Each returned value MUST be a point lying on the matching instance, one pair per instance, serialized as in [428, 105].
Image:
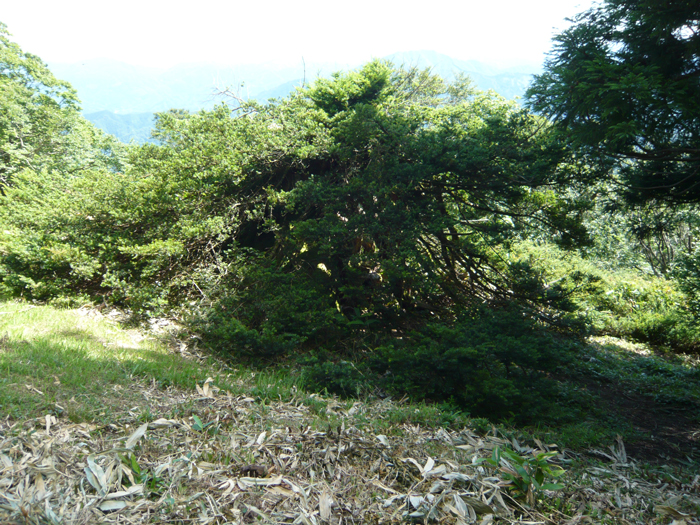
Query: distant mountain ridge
[122, 98]
[126, 127]
[108, 85]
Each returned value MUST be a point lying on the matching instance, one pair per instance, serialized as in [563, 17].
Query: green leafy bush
[489, 363]
[271, 313]
[624, 303]
[526, 476]
[342, 378]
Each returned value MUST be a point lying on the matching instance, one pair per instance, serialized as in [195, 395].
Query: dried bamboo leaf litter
[239, 460]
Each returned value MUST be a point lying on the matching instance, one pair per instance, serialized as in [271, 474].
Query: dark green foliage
[392, 216]
[624, 84]
[79, 242]
[360, 187]
[491, 363]
[272, 313]
[342, 378]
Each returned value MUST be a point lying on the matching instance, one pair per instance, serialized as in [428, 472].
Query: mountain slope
[131, 126]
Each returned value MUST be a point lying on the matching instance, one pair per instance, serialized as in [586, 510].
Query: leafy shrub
[526, 476]
[624, 303]
[341, 378]
[489, 363]
[647, 309]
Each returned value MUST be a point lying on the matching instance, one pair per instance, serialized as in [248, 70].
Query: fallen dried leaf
[138, 434]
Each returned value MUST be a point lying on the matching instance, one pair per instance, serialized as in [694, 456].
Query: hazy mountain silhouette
[122, 98]
[127, 127]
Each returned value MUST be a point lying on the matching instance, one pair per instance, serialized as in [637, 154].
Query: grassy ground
[102, 424]
[615, 387]
[79, 365]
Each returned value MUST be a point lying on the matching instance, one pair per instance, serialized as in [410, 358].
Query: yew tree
[384, 199]
[368, 214]
[371, 216]
[623, 82]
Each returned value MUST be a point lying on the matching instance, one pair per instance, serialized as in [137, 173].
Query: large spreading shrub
[346, 219]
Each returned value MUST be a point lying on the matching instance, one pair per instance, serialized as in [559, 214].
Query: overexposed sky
[165, 33]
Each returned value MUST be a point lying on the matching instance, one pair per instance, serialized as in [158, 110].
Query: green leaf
[135, 468]
[555, 472]
[552, 486]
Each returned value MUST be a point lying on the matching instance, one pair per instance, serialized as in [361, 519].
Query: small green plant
[198, 425]
[525, 476]
[154, 484]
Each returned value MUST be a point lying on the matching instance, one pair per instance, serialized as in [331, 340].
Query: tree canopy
[40, 122]
[390, 190]
[624, 82]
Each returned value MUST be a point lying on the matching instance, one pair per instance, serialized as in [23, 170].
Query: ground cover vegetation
[386, 229]
[161, 432]
[384, 233]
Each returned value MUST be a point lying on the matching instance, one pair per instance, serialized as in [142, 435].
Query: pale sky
[164, 33]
